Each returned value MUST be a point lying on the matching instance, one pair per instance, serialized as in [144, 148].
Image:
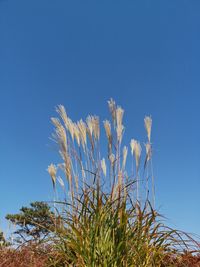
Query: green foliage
[103, 232]
[33, 223]
[3, 242]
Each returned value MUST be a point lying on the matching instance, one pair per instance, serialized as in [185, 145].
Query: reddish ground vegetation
[30, 256]
[24, 257]
[184, 260]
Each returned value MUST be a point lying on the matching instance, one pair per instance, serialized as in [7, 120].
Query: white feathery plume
[52, 172]
[71, 128]
[60, 135]
[119, 115]
[120, 177]
[82, 130]
[61, 111]
[120, 127]
[107, 127]
[148, 124]
[136, 151]
[133, 144]
[112, 159]
[103, 166]
[89, 124]
[112, 108]
[77, 134]
[125, 152]
[67, 163]
[96, 129]
[61, 182]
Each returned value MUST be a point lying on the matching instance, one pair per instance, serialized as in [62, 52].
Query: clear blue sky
[144, 54]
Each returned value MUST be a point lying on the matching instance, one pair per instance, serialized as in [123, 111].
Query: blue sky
[144, 54]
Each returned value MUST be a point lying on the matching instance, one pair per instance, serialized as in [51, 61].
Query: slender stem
[153, 185]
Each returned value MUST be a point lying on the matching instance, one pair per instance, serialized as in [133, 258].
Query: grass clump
[108, 213]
